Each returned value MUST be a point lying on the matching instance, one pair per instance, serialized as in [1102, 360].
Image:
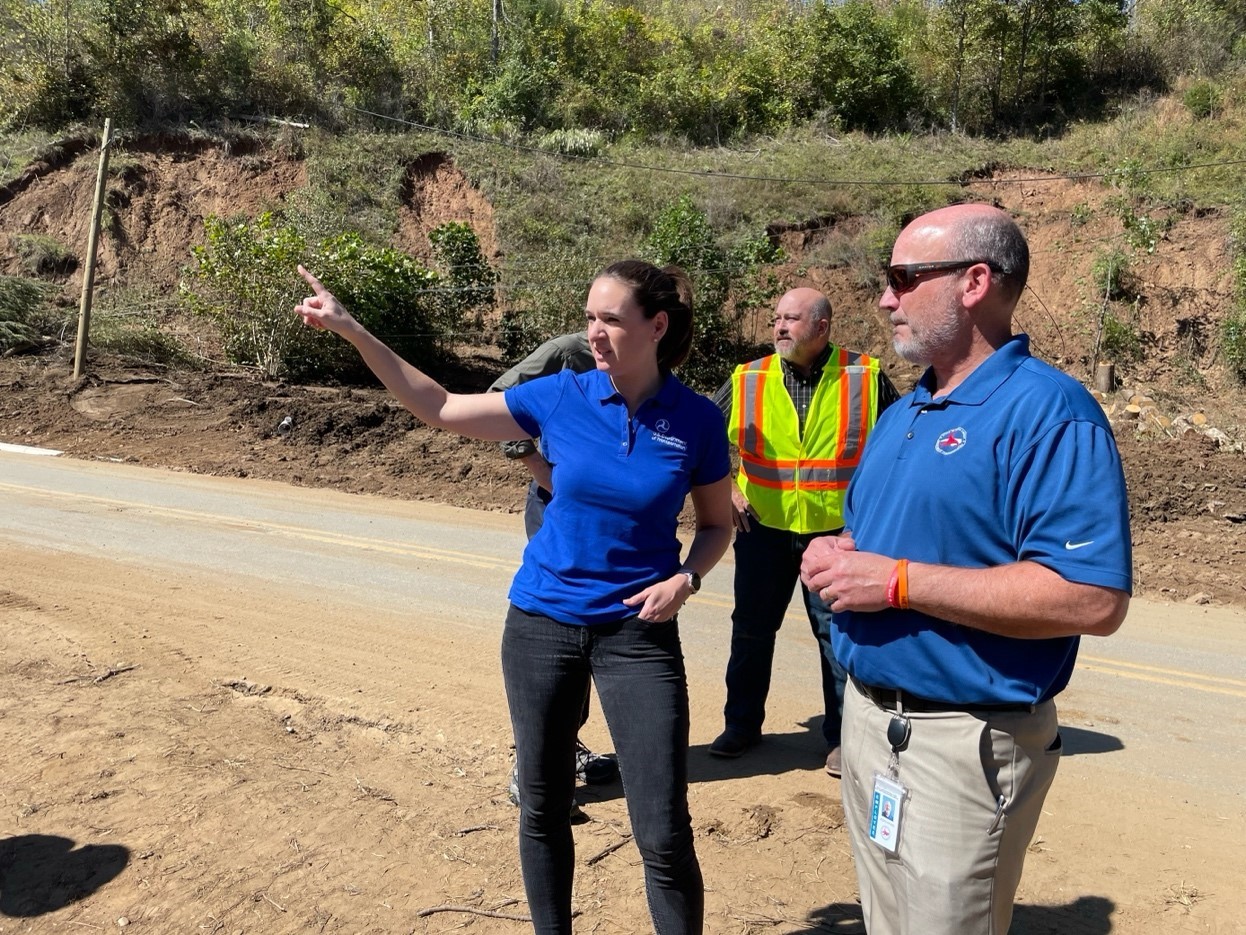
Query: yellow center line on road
[1219, 684]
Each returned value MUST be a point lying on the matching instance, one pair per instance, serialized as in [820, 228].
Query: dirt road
[233, 706]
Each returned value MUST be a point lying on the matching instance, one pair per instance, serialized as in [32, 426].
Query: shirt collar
[986, 378]
[666, 396]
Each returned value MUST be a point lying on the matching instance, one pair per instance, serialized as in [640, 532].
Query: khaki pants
[953, 873]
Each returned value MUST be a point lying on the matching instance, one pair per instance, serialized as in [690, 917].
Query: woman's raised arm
[476, 415]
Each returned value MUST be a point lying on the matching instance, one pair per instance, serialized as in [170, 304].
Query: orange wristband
[898, 586]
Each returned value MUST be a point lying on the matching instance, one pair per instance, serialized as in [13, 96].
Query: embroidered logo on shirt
[951, 441]
[1076, 545]
[660, 435]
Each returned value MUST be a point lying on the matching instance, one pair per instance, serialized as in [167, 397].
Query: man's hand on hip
[742, 515]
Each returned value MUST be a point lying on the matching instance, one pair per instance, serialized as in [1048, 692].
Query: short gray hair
[997, 238]
[820, 309]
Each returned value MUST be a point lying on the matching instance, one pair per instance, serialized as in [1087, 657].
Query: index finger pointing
[316, 285]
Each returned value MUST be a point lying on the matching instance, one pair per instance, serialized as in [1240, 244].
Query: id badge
[886, 808]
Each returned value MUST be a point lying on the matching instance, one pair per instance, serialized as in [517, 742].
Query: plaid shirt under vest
[801, 388]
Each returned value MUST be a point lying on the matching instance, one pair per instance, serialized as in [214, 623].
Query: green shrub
[1110, 271]
[682, 235]
[1120, 341]
[574, 142]
[1142, 232]
[726, 284]
[21, 301]
[244, 279]
[1202, 99]
[1237, 243]
[1130, 176]
[43, 256]
[1233, 341]
[469, 280]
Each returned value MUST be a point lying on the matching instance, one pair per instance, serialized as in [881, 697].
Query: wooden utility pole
[88, 278]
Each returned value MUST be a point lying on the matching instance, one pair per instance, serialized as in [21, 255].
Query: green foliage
[21, 303]
[42, 255]
[1233, 327]
[1202, 99]
[682, 235]
[1233, 343]
[1141, 231]
[1191, 36]
[1110, 272]
[859, 69]
[1080, 214]
[244, 279]
[726, 284]
[391, 295]
[1120, 341]
[468, 278]
[1237, 243]
[1130, 176]
[753, 286]
[573, 142]
[658, 69]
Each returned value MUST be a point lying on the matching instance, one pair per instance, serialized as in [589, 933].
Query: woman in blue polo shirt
[602, 581]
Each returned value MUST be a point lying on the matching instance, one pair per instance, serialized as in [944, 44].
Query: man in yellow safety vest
[799, 419]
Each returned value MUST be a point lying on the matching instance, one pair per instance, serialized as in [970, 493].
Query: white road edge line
[28, 450]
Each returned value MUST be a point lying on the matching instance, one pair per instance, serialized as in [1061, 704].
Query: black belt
[891, 699]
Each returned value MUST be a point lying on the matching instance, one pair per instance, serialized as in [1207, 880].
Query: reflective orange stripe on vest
[806, 473]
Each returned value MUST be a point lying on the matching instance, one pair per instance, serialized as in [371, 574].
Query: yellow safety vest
[797, 483]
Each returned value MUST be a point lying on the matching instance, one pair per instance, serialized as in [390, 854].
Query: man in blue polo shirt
[986, 530]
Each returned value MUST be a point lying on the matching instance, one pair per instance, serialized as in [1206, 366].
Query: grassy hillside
[834, 202]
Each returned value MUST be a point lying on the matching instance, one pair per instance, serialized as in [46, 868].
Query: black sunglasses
[905, 276]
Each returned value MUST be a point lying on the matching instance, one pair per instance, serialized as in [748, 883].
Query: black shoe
[594, 769]
[730, 744]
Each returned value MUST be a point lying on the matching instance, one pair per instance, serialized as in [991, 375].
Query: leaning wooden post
[88, 279]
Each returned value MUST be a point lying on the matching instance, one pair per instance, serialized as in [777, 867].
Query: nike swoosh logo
[1077, 545]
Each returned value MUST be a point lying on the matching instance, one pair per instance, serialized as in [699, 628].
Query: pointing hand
[322, 309]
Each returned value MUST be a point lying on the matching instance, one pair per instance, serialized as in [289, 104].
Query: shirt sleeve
[1072, 512]
[715, 463]
[549, 358]
[531, 403]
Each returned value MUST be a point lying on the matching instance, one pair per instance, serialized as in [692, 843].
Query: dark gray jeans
[642, 688]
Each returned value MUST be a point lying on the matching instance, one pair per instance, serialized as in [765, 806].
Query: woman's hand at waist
[660, 602]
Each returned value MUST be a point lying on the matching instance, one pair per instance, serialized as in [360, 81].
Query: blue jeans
[767, 569]
[642, 689]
